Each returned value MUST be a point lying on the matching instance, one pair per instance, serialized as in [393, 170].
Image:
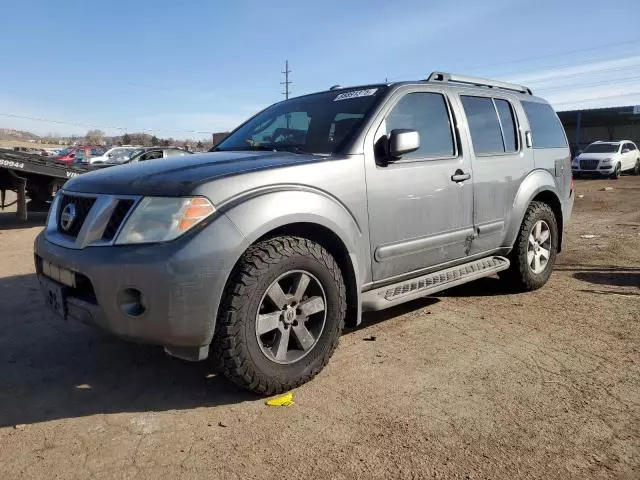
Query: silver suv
[313, 210]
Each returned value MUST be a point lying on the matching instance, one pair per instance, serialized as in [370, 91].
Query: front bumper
[602, 170]
[181, 284]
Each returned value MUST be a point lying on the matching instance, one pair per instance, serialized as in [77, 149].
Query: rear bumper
[180, 282]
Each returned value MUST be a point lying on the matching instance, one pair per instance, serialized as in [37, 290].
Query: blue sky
[203, 66]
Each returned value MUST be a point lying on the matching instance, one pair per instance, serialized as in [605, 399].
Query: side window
[174, 153]
[546, 129]
[632, 146]
[508, 123]
[151, 155]
[484, 126]
[428, 114]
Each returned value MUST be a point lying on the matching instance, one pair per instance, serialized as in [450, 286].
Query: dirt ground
[476, 383]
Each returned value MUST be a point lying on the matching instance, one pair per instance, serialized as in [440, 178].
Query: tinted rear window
[508, 123]
[546, 129]
[484, 126]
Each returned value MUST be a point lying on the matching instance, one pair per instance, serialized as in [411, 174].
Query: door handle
[460, 176]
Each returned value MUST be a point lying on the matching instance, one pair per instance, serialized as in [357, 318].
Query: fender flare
[538, 181]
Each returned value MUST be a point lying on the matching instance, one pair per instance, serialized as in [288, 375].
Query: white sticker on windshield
[356, 94]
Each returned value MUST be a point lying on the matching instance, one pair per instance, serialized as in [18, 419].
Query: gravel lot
[476, 383]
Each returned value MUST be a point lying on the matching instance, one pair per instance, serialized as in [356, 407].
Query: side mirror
[403, 141]
[626, 150]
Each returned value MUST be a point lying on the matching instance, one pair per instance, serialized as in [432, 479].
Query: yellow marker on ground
[281, 401]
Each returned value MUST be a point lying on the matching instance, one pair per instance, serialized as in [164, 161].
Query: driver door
[420, 205]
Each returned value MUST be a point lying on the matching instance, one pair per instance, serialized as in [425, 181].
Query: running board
[401, 292]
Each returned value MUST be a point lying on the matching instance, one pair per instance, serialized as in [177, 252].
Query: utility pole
[286, 82]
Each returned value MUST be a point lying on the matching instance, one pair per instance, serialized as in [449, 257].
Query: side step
[385, 297]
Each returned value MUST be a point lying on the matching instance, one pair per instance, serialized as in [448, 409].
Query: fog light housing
[132, 302]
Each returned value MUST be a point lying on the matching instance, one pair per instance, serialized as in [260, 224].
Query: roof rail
[479, 82]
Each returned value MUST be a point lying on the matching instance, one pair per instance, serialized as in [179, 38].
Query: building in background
[606, 124]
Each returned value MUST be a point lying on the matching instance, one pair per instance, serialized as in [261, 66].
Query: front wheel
[616, 172]
[281, 316]
[534, 252]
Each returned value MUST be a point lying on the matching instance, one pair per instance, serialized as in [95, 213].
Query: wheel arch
[537, 186]
[309, 215]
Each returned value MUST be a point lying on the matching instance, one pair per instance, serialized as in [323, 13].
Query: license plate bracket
[54, 297]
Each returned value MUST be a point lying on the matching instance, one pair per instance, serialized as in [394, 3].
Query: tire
[636, 168]
[616, 172]
[521, 275]
[244, 356]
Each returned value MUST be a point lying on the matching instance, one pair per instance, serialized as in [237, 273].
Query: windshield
[602, 148]
[318, 123]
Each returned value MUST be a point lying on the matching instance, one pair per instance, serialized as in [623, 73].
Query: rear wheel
[534, 252]
[636, 168]
[281, 317]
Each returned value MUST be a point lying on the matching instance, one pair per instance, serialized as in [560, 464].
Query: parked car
[76, 155]
[144, 154]
[315, 209]
[113, 155]
[608, 159]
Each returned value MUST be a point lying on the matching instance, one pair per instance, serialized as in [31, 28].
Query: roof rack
[479, 82]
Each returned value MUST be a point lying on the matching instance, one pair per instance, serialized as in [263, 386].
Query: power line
[564, 65]
[595, 99]
[550, 55]
[286, 82]
[582, 74]
[595, 84]
[89, 125]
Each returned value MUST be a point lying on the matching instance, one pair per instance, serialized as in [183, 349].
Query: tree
[126, 139]
[166, 143]
[155, 141]
[199, 146]
[95, 137]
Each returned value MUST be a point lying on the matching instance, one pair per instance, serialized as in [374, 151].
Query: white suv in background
[114, 155]
[607, 159]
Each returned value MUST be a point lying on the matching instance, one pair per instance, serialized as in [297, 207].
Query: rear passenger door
[500, 163]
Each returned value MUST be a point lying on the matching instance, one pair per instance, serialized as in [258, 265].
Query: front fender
[536, 182]
[260, 212]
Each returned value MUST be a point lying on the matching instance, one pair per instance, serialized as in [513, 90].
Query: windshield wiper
[267, 148]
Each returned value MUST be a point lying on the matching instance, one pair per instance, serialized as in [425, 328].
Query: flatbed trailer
[33, 176]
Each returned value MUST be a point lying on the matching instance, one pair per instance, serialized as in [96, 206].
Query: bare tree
[94, 137]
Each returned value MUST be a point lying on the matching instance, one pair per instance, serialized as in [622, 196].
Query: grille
[589, 164]
[82, 205]
[118, 215]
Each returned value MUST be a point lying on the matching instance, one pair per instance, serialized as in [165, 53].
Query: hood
[178, 176]
[595, 156]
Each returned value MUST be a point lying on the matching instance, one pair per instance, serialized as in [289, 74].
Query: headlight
[160, 219]
[605, 160]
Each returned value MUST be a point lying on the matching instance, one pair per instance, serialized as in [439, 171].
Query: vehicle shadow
[483, 287]
[10, 221]
[52, 369]
[369, 319]
[613, 278]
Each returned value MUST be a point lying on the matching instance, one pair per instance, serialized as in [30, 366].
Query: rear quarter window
[546, 129]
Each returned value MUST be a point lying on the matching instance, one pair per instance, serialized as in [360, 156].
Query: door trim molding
[416, 245]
